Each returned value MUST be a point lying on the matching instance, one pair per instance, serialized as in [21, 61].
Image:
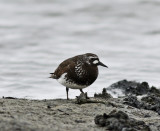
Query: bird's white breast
[67, 83]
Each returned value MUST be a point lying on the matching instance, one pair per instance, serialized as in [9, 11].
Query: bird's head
[93, 59]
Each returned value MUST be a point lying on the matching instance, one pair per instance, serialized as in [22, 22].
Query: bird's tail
[53, 76]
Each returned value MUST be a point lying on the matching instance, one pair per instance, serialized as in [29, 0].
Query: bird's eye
[92, 58]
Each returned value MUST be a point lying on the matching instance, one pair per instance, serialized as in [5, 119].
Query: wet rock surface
[134, 88]
[150, 99]
[120, 121]
[149, 102]
[132, 101]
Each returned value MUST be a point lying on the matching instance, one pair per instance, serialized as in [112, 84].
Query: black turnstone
[78, 72]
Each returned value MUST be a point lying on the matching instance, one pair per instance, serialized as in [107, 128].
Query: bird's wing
[64, 67]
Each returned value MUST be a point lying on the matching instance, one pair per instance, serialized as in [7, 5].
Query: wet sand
[62, 115]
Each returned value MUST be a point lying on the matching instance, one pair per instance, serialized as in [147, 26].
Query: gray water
[36, 35]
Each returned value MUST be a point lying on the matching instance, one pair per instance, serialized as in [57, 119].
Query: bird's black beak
[100, 63]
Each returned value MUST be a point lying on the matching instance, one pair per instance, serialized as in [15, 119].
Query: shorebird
[78, 72]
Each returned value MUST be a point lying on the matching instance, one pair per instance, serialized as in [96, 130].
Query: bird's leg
[67, 90]
[81, 91]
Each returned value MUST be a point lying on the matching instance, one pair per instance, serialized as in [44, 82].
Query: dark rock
[104, 94]
[100, 120]
[155, 91]
[131, 87]
[151, 99]
[132, 101]
[147, 115]
[153, 102]
[149, 102]
[120, 121]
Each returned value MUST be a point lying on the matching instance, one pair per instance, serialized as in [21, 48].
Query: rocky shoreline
[101, 113]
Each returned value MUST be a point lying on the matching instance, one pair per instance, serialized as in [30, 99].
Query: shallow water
[37, 35]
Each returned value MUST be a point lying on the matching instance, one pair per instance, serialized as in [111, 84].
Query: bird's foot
[82, 98]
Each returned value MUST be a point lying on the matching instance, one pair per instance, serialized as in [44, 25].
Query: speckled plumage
[78, 72]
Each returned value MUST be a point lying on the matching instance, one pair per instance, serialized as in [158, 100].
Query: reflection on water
[37, 35]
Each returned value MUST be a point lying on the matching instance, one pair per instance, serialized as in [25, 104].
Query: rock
[149, 102]
[154, 90]
[153, 102]
[132, 101]
[130, 87]
[120, 121]
[104, 94]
